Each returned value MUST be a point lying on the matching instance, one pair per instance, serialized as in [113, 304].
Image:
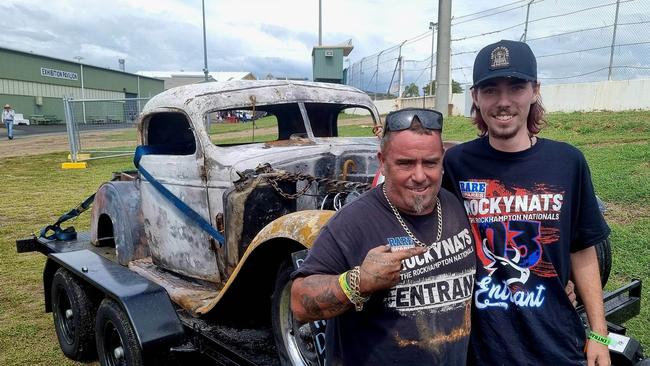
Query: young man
[8, 120]
[535, 219]
[407, 302]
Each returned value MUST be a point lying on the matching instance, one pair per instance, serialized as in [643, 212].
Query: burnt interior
[171, 130]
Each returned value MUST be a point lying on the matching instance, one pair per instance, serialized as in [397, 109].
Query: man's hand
[597, 354]
[381, 267]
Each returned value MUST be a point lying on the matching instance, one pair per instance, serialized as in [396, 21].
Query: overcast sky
[259, 36]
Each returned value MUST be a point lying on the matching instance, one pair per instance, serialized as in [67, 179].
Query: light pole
[83, 93]
[443, 55]
[320, 22]
[432, 26]
[205, 49]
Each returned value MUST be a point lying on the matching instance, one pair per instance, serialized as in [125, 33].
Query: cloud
[277, 37]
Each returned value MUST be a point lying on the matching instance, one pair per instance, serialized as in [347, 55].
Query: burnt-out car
[210, 227]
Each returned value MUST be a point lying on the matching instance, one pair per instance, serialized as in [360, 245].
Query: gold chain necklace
[408, 231]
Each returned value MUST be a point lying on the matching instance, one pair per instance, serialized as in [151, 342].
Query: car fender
[117, 214]
[261, 260]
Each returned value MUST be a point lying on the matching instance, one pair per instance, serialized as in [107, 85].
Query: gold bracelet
[356, 299]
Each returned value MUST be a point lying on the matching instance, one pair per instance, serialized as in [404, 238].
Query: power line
[497, 13]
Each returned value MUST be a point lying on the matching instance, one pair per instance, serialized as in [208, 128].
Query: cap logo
[500, 58]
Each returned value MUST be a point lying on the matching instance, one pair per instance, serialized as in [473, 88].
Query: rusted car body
[268, 199]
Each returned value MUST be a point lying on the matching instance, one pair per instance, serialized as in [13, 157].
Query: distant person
[535, 220]
[8, 120]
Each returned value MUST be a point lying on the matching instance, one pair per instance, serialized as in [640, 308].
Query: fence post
[377, 75]
[523, 38]
[611, 53]
[401, 79]
[70, 126]
[361, 74]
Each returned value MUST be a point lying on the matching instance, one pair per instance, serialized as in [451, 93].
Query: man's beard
[503, 135]
[421, 203]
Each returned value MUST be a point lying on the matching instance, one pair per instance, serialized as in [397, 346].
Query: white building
[178, 78]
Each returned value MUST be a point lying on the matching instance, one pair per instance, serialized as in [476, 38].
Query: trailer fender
[146, 304]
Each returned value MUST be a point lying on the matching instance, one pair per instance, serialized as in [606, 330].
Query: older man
[8, 120]
[535, 219]
[395, 268]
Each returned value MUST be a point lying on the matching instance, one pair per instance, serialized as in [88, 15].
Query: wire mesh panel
[102, 127]
[574, 40]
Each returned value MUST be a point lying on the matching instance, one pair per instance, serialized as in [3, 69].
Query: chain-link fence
[574, 41]
[100, 128]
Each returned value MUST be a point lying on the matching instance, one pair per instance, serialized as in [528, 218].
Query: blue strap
[68, 233]
[140, 151]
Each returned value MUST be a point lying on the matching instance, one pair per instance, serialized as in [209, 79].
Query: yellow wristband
[343, 282]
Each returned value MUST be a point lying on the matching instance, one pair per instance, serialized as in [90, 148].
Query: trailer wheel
[73, 312]
[604, 254]
[293, 341]
[116, 340]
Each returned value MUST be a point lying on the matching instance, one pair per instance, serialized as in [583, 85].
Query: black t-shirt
[528, 211]
[425, 318]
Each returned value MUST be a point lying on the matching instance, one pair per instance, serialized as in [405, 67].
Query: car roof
[209, 96]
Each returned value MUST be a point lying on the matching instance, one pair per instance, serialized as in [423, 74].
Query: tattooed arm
[319, 296]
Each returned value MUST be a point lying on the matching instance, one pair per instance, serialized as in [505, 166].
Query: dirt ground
[37, 144]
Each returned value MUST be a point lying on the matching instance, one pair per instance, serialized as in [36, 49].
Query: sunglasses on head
[403, 119]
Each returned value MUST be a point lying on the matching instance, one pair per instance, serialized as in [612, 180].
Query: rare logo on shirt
[469, 189]
[400, 243]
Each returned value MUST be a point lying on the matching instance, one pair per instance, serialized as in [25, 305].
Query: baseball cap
[505, 59]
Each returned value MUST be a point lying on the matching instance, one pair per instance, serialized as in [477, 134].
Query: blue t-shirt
[425, 318]
[529, 211]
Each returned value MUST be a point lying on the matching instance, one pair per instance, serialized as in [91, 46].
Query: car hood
[283, 153]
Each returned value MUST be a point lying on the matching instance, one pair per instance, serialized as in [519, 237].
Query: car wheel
[73, 312]
[293, 341]
[604, 254]
[116, 340]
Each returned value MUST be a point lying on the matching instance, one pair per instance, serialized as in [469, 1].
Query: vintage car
[211, 226]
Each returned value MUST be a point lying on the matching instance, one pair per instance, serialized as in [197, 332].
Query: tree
[410, 91]
[425, 89]
[455, 88]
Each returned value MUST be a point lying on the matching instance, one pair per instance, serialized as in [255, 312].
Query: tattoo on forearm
[330, 302]
[311, 306]
[325, 301]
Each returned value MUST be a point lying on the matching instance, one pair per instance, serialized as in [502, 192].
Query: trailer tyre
[73, 311]
[116, 340]
[293, 346]
[604, 254]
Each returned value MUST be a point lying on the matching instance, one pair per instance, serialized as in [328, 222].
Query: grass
[35, 192]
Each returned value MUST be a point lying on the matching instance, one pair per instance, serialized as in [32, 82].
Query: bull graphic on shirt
[510, 249]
